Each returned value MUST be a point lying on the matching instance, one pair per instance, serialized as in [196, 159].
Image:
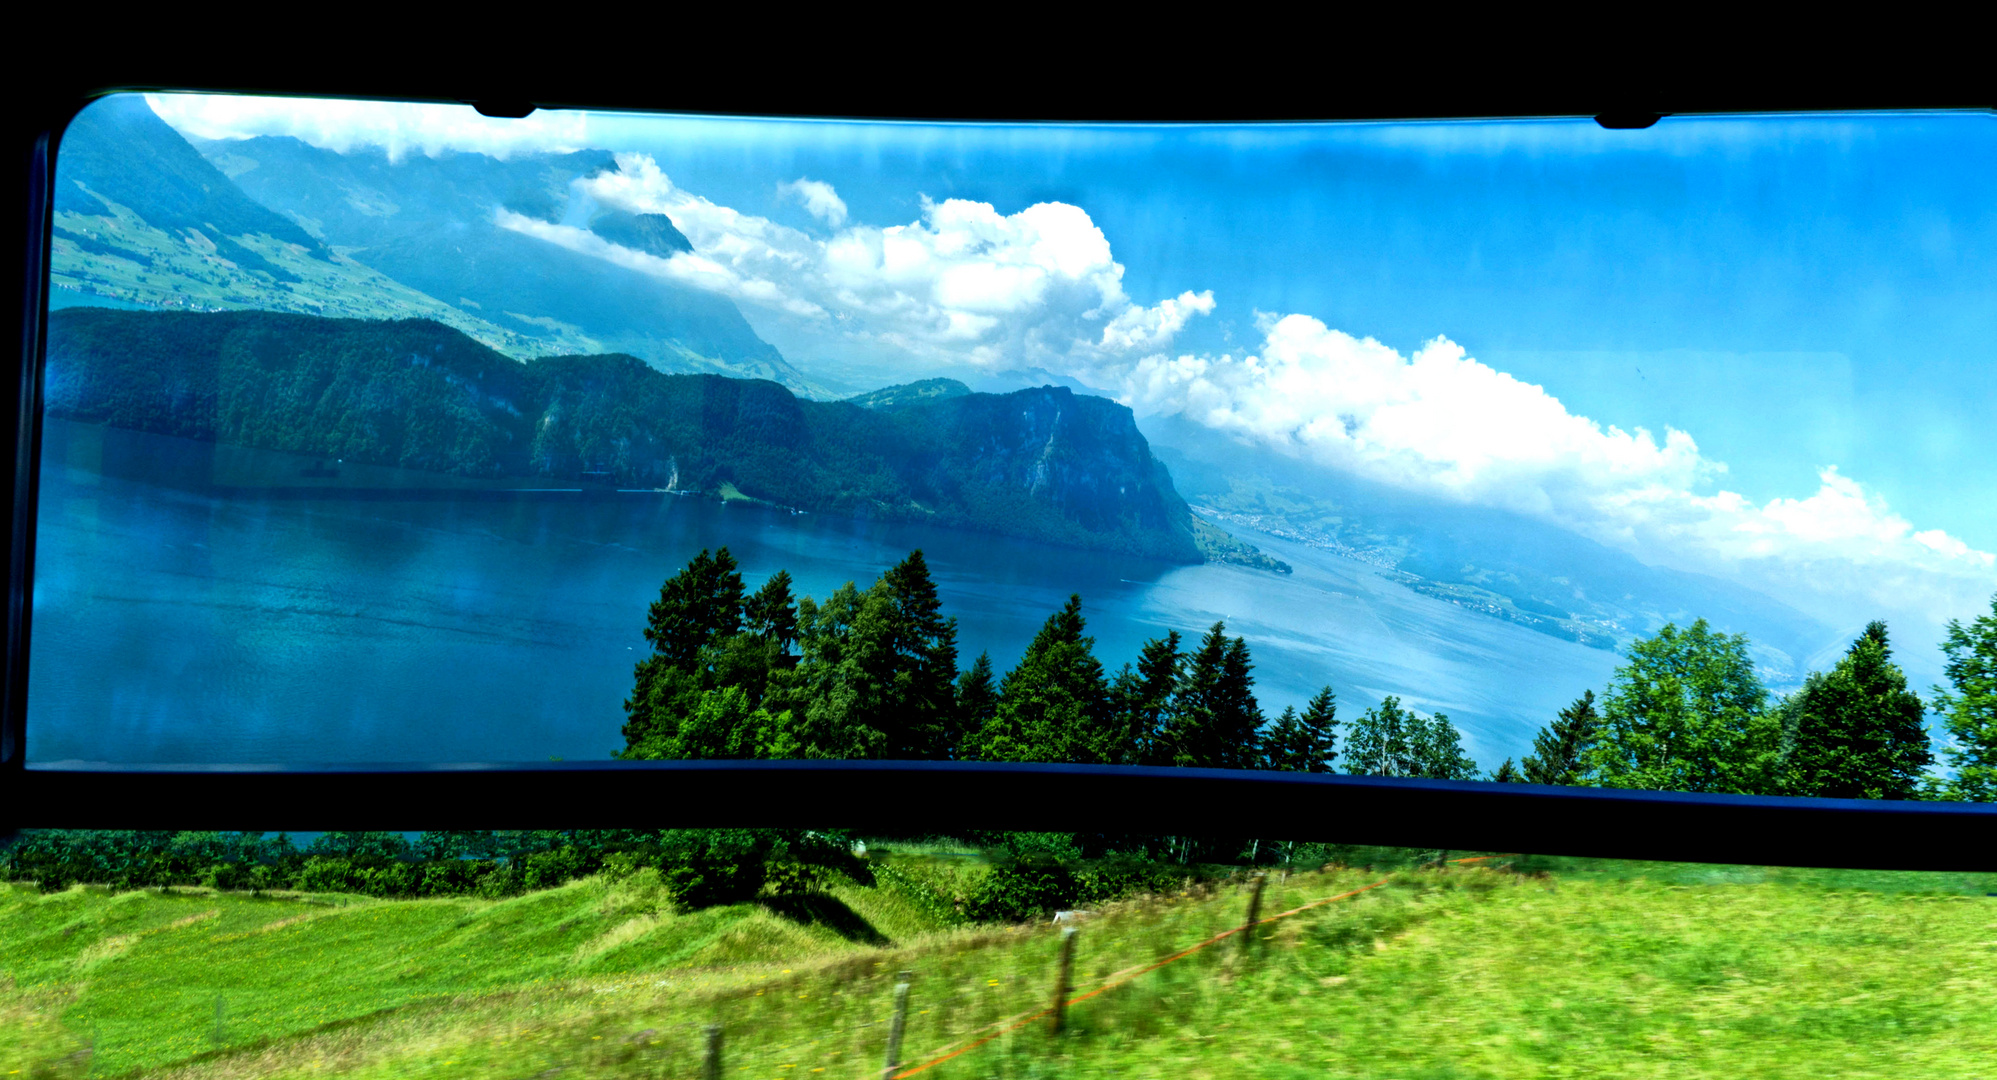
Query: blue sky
[1762, 347]
[1795, 293]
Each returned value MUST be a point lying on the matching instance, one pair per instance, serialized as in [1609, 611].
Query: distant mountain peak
[653, 234]
[905, 394]
[118, 149]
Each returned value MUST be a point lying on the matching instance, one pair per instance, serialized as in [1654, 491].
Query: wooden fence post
[895, 1026]
[1254, 913]
[1063, 980]
[710, 1067]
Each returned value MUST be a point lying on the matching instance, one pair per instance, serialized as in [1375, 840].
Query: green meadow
[1517, 967]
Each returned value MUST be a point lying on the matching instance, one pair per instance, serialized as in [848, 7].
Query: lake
[204, 604]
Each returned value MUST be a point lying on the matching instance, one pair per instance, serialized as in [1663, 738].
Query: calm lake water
[196, 603]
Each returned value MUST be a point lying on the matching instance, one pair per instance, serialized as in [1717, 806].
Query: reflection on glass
[1518, 451]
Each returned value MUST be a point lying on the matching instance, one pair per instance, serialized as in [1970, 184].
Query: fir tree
[771, 613]
[1054, 705]
[696, 606]
[831, 698]
[1558, 750]
[1969, 706]
[1306, 741]
[1279, 743]
[1141, 700]
[920, 664]
[977, 702]
[1214, 722]
[1855, 732]
[1507, 774]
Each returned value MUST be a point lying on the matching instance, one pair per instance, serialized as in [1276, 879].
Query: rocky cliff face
[1080, 456]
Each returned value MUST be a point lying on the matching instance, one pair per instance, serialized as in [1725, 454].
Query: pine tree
[1969, 706]
[696, 606]
[1141, 700]
[1306, 741]
[1686, 712]
[771, 614]
[1855, 732]
[1054, 706]
[977, 702]
[1558, 750]
[1507, 774]
[1215, 720]
[920, 658]
[1280, 744]
[833, 696]
[1320, 725]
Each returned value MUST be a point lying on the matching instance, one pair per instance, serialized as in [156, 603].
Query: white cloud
[963, 285]
[397, 127]
[968, 285]
[819, 200]
[1438, 420]
[1442, 422]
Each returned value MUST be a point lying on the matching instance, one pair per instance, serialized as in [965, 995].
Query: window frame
[944, 796]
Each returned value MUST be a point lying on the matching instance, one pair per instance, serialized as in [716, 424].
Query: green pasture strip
[1677, 873]
[1581, 970]
[1470, 972]
[143, 971]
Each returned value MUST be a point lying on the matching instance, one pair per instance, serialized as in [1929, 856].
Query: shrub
[1119, 878]
[551, 868]
[1020, 891]
[324, 874]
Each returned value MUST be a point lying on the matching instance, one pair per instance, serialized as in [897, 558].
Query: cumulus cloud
[818, 198]
[965, 284]
[399, 128]
[1442, 422]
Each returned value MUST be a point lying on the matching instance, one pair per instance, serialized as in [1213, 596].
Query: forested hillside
[1044, 463]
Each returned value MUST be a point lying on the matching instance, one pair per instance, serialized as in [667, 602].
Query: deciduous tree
[1686, 712]
[1969, 706]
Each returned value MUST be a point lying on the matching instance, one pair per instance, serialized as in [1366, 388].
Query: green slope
[1636, 971]
[141, 972]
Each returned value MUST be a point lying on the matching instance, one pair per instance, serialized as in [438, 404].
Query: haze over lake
[368, 625]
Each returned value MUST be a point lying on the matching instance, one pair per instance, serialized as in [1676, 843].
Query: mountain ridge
[1044, 464]
[145, 215]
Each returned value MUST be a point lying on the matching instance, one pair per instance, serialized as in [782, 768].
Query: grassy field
[1571, 968]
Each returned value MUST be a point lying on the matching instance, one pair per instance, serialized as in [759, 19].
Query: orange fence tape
[1015, 1023]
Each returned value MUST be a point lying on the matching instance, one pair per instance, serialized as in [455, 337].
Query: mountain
[433, 224]
[144, 217]
[1045, 463]
[897, 397]
[119, 151]
[1499, 564]
[653, 234]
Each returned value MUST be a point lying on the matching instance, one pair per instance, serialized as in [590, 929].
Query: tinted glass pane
[393, 433]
